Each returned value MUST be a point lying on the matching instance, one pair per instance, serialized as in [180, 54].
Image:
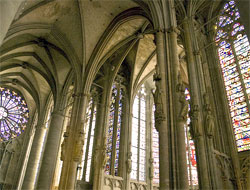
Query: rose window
[14, 114]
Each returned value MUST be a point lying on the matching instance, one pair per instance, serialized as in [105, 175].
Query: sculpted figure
[79, 147]
[184, 107]
[63, 145]
[129, 162]
[209, 123]
[159, 113]
[104, 154]
[195, 127]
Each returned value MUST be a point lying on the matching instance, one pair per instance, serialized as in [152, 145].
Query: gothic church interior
[124, 94]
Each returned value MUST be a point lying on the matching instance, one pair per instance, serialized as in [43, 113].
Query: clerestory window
[234, 56]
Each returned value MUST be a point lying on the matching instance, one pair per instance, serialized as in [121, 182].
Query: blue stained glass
[112, 130]
[14, 114]
[234, 85]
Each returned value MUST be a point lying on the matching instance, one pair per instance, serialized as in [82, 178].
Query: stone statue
[129, 163]
[184, 107]
[159, 112]
[209, 122]
[79, 147]
[63, 145]
[104, 154]
[195, 127]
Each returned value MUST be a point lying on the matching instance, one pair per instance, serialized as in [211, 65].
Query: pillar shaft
[195, 110]
[50, 153]
[74, 145]
[34, 158]
[180, 110]
[160, 112]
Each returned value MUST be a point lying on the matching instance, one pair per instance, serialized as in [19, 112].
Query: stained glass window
[138, 144]
[155, 150]
[14, 114]
[190, 153]
[90, 122]
[114, 130]
[234, 56]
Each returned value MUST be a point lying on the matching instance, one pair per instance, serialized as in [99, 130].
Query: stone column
[50, 153]
[160, 111]
[180, 109]
[100, 148]
[34, 158]
[196, 126]
[74, 147]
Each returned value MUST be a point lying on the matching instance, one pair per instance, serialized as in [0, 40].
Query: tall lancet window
[114, 130]
[234, 55]
[138, 144]
[190, 153]
[90, 122]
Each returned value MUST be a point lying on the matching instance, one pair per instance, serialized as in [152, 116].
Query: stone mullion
[88, 141]
[95, 102]
[150, 166]
[139, 136]
[189, 161]
[123, 137]
[196, 125]
[114, 140]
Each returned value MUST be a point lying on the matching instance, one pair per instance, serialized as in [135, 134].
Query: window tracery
[14, 114]
[234, 56]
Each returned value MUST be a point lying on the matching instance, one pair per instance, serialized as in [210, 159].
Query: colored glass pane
[14, 114]
[114, 130]
[234, 55]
